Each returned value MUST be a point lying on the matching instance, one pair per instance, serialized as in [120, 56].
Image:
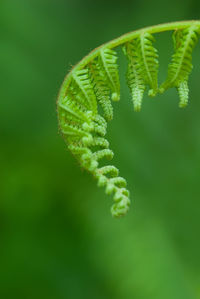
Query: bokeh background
[57, 237]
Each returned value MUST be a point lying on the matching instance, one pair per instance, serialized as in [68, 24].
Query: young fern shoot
[94, 83]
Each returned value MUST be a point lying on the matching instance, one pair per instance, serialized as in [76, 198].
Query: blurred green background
[57, 237]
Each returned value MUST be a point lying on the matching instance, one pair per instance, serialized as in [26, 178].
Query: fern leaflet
[109, 69]
[181, 65]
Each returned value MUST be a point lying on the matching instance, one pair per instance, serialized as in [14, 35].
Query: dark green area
[57, 237]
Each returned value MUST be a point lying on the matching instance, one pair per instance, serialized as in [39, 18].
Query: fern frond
[101, 89]
[73, 110]
[134, 76]
[181, 65]
[148, 58]
[83, 85]
[107, 61]
[95, 81]
[142, 67]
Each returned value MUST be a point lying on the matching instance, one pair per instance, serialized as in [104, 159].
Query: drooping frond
[95, 81]
[142, 67]
[101, 89]
[148, 57]
[181, 65]
[134, 76]
[107, 61]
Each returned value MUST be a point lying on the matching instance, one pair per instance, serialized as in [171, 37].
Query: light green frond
[144, 58]
[70, 130]
[82, 85]
[134, 75]
[101, 89]
[73, 110]
[107, 61]
[142, 67]
[95, 81]
[148, 57]
[181, 65]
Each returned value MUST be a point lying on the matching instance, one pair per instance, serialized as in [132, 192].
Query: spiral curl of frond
[84, 130]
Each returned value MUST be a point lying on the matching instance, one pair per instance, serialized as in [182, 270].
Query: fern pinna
[94, 83]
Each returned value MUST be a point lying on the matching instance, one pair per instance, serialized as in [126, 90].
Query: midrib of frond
[187, 43]
[142, 41]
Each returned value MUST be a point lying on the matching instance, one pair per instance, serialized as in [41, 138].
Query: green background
[57, 237]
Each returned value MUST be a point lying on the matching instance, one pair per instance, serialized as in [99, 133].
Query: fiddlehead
[94, 83]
